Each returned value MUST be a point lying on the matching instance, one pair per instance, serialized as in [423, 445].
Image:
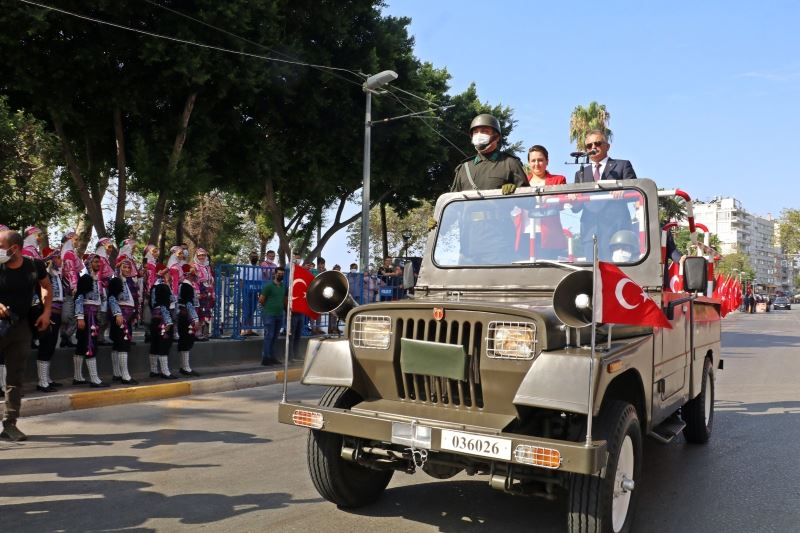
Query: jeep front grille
[437, 390]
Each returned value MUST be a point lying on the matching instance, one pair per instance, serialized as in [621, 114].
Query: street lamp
[406, 235]
[370, 85]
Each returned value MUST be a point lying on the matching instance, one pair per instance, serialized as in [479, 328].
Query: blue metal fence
[237, 288]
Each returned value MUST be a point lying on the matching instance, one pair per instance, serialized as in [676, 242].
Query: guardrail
[237, 288]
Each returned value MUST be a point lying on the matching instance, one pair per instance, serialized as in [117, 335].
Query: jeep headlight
[371, 331]
[511, 340]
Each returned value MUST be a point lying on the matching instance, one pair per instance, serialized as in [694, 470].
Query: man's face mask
[353, 270]
[5, 255]
[481, 140]
[621, 255]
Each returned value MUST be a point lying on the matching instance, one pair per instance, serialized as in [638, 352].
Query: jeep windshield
[525, 229]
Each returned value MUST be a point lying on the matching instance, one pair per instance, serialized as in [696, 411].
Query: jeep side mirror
[695, 274]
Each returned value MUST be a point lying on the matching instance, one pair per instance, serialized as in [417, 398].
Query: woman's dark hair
[539, 148]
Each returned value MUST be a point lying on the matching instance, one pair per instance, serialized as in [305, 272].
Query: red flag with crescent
[302, 277]
[622, 301]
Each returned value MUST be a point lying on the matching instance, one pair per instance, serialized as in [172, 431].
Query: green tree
[732, 264]
[29, 177]
[682, 240]
[413, 223]
[585, 119]
[789, 230]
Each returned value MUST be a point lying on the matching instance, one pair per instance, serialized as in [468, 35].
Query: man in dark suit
[607, 217]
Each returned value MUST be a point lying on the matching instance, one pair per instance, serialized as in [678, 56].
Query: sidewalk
[223, 365]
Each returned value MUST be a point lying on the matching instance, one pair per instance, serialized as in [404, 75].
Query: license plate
[476, 444]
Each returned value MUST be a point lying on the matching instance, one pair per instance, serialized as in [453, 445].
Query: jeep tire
[698, 413]
[604, 502]
[342, 482]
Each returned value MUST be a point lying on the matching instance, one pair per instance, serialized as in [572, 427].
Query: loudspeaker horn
[572, 299]
[329, 292]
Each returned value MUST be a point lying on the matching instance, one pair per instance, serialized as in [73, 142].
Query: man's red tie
[596, 174]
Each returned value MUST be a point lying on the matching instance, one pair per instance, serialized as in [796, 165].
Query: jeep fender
[328, 362]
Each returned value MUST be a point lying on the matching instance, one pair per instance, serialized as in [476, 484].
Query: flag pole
[288, 326]
[590, 402]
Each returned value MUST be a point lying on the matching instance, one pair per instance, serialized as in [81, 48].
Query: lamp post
[406, 235]
[370, 85]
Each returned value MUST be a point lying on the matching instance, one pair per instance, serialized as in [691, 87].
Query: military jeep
[494, 367]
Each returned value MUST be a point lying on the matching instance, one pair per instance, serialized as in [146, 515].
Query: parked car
[781, 302]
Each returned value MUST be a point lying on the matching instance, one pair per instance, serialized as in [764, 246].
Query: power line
[183, 41]
[361, 77]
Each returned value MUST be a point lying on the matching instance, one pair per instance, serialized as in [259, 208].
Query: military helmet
[485, 119]
[625, 237]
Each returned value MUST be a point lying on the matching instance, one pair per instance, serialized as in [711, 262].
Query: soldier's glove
[432, 224]
[509, 188]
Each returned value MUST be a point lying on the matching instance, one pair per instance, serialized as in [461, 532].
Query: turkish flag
[622, 301]
[300, 281]
[675, 278]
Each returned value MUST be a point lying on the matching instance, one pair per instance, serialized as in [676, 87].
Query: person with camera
[20, 278]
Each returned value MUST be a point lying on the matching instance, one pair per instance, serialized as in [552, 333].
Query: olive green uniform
[490, 172]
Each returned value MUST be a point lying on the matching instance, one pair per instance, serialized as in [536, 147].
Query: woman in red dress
[550, 242]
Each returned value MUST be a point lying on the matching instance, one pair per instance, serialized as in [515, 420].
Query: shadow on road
[75, 467]
[467, 505]
[758, 340]
[79, 506]
[151, 439]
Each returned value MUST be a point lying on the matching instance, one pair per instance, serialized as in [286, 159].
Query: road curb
[59, 403]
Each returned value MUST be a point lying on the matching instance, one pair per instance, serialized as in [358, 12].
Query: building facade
[751, 235]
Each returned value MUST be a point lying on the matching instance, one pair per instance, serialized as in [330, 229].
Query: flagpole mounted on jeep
[590, 412]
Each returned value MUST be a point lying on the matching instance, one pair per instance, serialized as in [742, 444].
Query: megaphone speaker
[572, 299]
[329, 292]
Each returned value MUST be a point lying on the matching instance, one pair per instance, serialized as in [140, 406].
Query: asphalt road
[222, 462]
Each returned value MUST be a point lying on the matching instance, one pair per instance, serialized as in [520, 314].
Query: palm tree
[585, 119]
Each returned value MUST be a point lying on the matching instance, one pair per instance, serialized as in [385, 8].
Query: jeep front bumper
[377, 426]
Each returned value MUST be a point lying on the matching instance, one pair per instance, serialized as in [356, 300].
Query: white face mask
[4, 256]
[621, 255]
[481, 140]
[353, 270]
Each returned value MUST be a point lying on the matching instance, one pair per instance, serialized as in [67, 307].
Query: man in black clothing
[20, 277]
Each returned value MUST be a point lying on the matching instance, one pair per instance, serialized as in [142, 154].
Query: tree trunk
[179, 227]
[122, 178]
[172, 165]
[94, 213]
[384, 232]
[84, 231]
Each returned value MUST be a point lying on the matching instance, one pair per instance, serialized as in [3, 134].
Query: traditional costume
[71, 267]
[89, 298]
[123, 303]
[188, 321]
[49, 337]
[206, 296]
[162, 302]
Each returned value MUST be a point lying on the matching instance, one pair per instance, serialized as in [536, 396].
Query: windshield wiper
[548, 262]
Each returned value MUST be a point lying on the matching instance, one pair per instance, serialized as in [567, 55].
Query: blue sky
[703, 95]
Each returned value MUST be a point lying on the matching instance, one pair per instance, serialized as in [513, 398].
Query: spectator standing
[356, 283]
[20, 278]
[273, 301]
[392, 277]
[251, 281]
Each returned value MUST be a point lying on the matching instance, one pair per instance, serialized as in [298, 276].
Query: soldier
[188, 321]
[489, 168]
[205, 281]
[49, 337]
[162, 302]
[89, 298]
[71, 268]
[123, 303]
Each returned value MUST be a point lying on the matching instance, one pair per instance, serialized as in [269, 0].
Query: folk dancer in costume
[188, 321]
[105, 251]
[162, 302]
[206, 297]
[71, 267]
[89, 298]
[33, 239]
[49, 337]
[123, 303]
[175, 266]
[148, 277]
